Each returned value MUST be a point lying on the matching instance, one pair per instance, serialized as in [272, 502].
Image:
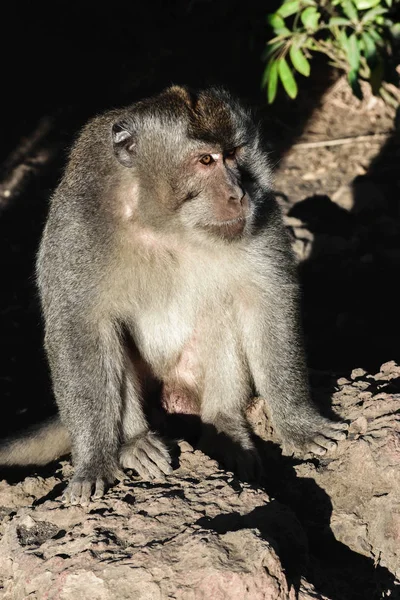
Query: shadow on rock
[297, 522]
[333, 568]
[350, 310]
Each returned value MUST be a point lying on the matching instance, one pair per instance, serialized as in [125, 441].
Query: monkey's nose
[237, 196]
[244, 201]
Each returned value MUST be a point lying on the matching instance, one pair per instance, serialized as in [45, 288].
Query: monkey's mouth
[229, 229]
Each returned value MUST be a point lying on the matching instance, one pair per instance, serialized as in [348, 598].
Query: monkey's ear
[123, 143]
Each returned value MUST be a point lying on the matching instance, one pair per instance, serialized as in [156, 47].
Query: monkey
[165, 257]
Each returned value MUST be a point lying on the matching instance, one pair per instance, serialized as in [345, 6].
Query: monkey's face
[214, 197]
[188, 159]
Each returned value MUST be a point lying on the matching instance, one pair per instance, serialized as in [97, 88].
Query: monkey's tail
[38, 445]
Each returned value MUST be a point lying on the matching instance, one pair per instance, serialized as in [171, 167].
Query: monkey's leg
[226, 435]
[274, 346]
[142, 450]
[86, 365]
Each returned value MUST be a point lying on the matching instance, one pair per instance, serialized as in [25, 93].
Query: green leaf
[375, 35]
[355, 84]
[353, 52]
[265, 76]
[310, 17]
[374, 12]
[343, 41]
[389, 3]
[299, 61]
[271, 48]
[350, 10]
[276, 22]
[286, 76]
[338, 21]
[288, 8]
[272, 81]
[365, 4]
[369, 47]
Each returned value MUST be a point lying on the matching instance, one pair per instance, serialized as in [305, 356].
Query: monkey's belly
[179, 386]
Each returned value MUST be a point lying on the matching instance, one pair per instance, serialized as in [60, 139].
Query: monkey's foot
[82, 490]
[316, 434]
[147, 455]
[238, 456]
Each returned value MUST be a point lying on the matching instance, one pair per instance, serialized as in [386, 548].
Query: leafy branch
[357, 36]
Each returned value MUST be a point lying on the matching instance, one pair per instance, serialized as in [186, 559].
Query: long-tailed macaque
[165, 256]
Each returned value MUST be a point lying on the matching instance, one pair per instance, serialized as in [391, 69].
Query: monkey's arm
[86, 367]
[274, 346]
[100, 406]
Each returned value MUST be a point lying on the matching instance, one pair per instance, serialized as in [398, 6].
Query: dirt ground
[305, 171]
[342, 203]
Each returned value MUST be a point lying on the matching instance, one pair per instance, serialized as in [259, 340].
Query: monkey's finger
[164, 465]
[156, 464]
[158, 459]
[325, 442]
[86, 492]
[159, 444]
[146, 468]
[316, 449]
[130, 460]
[336, 435]
[75, 490]
[65, 496]
[99, 489]
[339, 425]
[140, 463]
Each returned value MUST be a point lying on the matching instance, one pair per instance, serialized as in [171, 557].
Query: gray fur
[191, 263]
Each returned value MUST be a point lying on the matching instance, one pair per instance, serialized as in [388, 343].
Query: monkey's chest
[162, 331]
[175, 317]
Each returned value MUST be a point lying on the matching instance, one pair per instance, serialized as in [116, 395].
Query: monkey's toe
[320, 445]
[317, 436]
[147, 455]
[82, 491]
[326, 437]
[330, 433]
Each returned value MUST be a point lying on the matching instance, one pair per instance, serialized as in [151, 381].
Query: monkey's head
[191, 162]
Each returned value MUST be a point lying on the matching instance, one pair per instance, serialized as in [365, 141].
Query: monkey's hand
[147, 455]
[311, 433]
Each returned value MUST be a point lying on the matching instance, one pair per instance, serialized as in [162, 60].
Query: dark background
[86, 59]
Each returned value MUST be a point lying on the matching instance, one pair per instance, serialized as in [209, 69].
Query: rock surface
[201, 533]
[363, 478]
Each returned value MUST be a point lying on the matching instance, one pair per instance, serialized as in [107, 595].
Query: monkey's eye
[207, 159]
[231, 153]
